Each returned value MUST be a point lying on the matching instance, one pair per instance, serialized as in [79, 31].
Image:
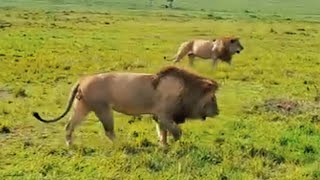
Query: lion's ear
[233, 40]
[210, 86]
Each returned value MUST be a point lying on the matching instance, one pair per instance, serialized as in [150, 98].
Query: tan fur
[222, 48]
[171, 95]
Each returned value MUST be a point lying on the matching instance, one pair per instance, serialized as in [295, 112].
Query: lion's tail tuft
[70, 102]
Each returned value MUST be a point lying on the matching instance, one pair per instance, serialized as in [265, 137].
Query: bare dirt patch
[281, 105]
[4, 94]
[4, 24]
[284, 106]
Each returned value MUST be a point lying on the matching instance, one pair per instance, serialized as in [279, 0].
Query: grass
[269, 123]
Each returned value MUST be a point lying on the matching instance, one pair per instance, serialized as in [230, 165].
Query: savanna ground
[269, 123]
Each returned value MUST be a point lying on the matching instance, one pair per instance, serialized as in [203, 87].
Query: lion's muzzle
[241, 49]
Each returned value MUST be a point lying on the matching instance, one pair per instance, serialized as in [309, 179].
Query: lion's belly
[132, 103]
[132, 95]
[203, 49]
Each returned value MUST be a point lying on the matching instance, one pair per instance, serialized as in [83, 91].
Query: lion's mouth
[204, 118]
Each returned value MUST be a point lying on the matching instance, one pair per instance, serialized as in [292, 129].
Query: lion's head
[206, 103]
[234, 45]
[228, 46]
[197, 99]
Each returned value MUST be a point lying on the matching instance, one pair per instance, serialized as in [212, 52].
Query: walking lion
[171, 95]
[222, 48]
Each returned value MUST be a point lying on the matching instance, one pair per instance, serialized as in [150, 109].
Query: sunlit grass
[43, 54]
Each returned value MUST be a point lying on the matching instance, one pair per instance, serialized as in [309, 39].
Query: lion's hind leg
[106, 117]
[80, 111]
[177, 59]
[183, 50]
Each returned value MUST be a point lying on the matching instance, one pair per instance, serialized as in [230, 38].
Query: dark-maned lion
[171, 96]
[222, 48]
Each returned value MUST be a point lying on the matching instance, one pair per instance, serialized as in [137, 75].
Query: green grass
[275, 9]
[46, 49]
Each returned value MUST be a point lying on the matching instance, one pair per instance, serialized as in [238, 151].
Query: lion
[222, 48]
[170, 96]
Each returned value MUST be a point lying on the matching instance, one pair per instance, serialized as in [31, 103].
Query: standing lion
[171, 95]
[222, 48]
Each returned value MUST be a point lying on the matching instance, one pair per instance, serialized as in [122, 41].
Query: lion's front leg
[214, 55]
[171, 127]
[214, 62]
[162, 134]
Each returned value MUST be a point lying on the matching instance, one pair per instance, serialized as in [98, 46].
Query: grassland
[269, 127]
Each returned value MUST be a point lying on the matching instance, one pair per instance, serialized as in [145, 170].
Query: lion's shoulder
[190, 80]
[194, 88]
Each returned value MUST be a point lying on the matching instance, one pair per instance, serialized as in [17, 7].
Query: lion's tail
[70, 101]
[183, 50]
